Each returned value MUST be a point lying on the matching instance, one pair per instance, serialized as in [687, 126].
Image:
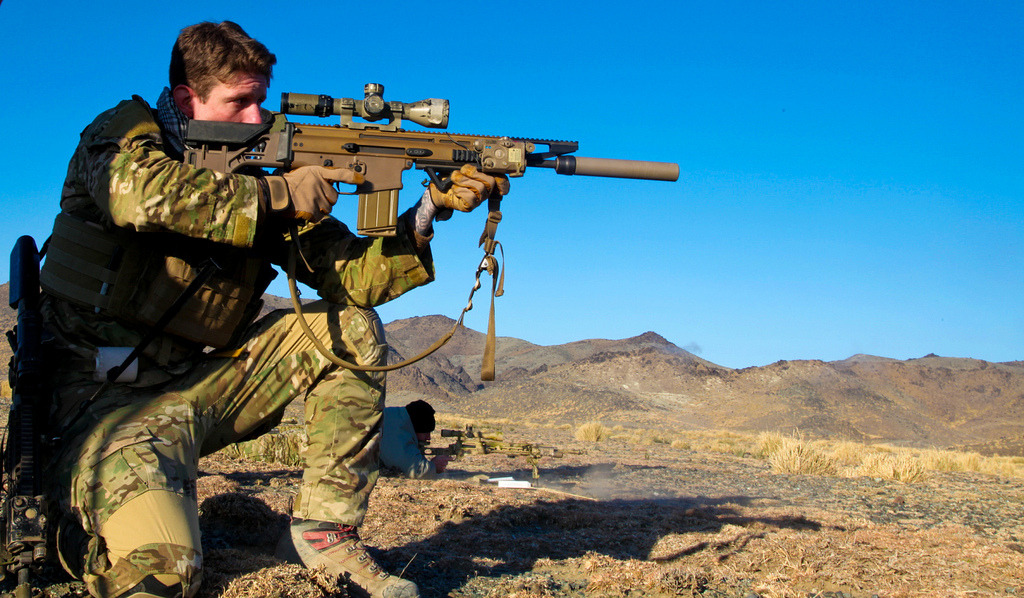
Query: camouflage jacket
[122, 176]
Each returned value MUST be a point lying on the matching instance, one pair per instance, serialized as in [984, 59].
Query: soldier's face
[237, 101]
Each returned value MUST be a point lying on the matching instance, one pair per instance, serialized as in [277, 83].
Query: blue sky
[852, 174]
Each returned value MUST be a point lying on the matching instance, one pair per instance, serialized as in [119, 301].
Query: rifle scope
[431, 113]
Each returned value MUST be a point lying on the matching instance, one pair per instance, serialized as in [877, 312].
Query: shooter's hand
[441, 462]
[308, 192]
[470, 188]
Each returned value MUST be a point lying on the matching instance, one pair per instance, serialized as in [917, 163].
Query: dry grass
[798, 456]
[819, 457]
[592, 432]
[902, 467]
[712, 441]
[456, 422]
[242, 574]
[768, 443]
[846, 453]
[795, 454]
[787, 454]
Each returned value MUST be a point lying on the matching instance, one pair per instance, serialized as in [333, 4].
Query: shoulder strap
[132, 118]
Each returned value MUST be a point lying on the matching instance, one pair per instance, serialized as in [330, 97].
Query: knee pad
[156, 586]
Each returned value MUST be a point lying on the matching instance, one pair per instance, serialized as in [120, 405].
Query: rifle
[381, 152]
[23, 509]
[474, 442]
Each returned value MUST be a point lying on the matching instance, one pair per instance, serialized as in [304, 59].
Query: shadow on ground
[511, 539]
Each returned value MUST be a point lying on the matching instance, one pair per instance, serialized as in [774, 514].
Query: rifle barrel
[609, 167]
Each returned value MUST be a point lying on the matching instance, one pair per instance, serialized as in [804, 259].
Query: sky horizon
[851, 175]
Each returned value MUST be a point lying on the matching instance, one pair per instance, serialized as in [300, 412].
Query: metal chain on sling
[489, 264]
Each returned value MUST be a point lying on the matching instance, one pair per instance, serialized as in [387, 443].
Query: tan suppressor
[609, 167]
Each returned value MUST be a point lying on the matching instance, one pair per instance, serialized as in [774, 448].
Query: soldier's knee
[151, 572]
[160, 586]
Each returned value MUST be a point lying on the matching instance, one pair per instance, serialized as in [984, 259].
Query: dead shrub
[1001, 466]
[768, 443]
[940, 460]
[848, 454]
[592, 432]
[901, 467]
[798, 456]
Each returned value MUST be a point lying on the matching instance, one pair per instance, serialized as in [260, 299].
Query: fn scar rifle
[382, 151]
[475, 442]
[377, 147]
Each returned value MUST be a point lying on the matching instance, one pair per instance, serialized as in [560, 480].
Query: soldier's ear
[183, 98]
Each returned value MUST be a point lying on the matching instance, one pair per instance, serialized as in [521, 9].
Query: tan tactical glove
[308, 191]
[469, 189]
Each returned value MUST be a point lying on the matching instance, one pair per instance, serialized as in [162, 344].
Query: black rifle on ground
[23, 506]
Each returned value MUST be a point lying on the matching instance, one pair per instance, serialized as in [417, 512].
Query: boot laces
[364, 556]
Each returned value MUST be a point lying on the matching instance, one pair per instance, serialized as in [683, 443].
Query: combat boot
[339, 550]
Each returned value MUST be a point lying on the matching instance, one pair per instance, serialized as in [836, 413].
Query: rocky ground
[635, 520]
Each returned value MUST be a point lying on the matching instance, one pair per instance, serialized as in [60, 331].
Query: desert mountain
[648, 381]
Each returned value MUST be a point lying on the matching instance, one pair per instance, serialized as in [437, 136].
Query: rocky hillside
[647, 381]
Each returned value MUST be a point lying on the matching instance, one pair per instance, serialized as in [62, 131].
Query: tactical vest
[136, 277]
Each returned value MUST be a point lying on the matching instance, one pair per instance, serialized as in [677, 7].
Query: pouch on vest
[136, 277]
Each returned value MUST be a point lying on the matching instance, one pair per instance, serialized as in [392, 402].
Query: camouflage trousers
[126, 469]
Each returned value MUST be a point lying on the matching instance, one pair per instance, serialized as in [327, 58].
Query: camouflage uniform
[135, 447]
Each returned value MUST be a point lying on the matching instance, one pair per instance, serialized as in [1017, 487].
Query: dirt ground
[626, 520]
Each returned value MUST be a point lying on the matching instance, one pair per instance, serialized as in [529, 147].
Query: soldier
[403, 431]
[136, 226]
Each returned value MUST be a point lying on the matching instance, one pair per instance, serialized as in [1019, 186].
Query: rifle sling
[331, 355]
[489, 263]
[488, 242]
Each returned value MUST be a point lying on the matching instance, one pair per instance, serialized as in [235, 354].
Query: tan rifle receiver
[381, 150]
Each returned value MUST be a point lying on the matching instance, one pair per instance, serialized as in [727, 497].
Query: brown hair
[207, 53]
